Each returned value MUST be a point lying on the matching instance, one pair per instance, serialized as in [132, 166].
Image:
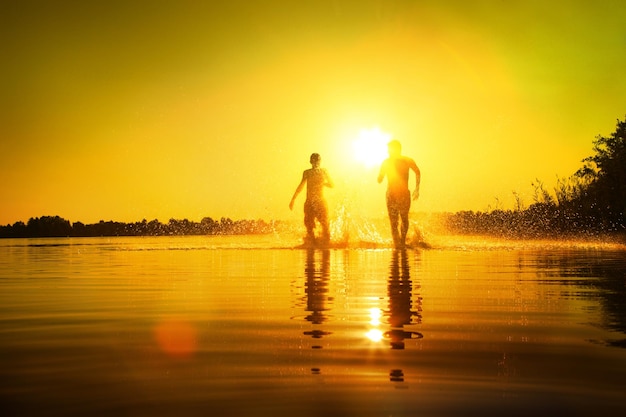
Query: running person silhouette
[315, 207]
[396, 168]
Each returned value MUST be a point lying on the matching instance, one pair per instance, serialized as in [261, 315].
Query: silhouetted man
[396, 169]
[315, 207]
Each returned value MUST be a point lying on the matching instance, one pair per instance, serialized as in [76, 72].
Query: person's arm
[298, 190]
[382, 172]
[328, 182]
[418, 178]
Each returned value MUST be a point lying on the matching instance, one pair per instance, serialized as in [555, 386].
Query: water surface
[249, 326]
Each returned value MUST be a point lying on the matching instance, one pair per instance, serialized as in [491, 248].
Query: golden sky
[122, 110]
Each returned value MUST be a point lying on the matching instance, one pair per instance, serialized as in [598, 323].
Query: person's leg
[392, 210]
[405, 228]
[323, 219]
[309, 221]
[405, 206]
[395, 234]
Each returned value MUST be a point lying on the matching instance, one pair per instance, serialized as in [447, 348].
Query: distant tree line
[590, 202]
[55, 226]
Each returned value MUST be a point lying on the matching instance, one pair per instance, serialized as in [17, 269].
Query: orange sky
[133, 110]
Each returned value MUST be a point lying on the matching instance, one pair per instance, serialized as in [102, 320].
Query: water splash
[353, 230]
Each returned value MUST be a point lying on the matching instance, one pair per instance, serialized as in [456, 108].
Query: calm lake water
[248, 326]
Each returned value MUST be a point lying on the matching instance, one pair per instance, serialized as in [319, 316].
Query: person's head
[315, 159]
[394, 148]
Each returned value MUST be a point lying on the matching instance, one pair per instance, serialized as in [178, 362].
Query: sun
[370, 147]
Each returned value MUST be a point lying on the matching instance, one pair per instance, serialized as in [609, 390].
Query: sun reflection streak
[375, 335]
[375, 315]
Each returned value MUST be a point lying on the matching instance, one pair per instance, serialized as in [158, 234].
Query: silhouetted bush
[589, 203]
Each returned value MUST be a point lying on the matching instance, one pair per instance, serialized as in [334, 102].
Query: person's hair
[395, 144]
[315, 157]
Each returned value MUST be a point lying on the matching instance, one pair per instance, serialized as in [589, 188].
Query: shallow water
[248, 326]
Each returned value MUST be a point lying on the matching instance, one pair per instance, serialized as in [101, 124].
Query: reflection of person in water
[316, 290]
[315, 207]
[399, 291]
[396, 169]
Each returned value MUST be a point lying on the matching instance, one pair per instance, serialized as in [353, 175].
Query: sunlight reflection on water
[250, 326]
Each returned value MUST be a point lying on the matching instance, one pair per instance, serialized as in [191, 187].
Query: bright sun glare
[370, 147]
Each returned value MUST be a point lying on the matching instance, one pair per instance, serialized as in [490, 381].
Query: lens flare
[176, 337]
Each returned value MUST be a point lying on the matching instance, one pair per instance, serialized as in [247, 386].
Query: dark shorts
[316, 209]
[398, 202]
